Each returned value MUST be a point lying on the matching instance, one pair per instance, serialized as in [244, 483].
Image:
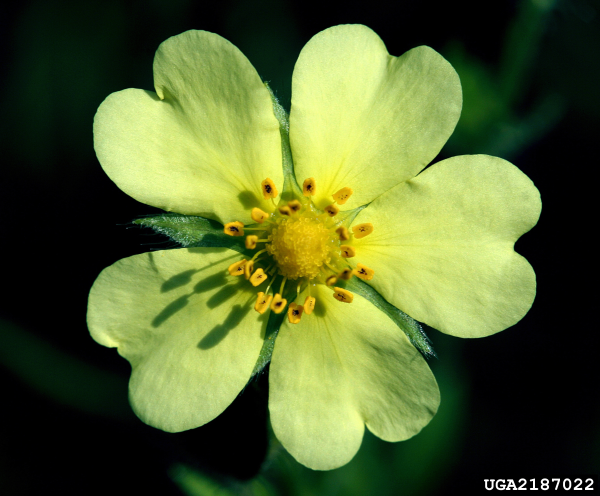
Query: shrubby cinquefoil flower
[316, 255]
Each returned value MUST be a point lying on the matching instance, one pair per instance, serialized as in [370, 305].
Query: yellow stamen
[251, 241]
[278, 303]
[237, 268]
[285, 210]
[347, 251]
[309, 305]
[362, 230]
[342, 195]
[345, 274]
[258, 215]
[309, 187]
[262, 302]
[364, 272]
[331, 280]
[343, 233]
[258, 277]
[332, 210]
[294, 206]
[234, 228]
[248, 268]
[343, 295]
[268, 188]
[295, 313]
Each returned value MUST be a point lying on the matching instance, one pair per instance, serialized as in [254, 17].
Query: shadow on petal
[222, 295]
[178, 280]
[170, 310]
[219, 332]
[248, 200]
[211, 282]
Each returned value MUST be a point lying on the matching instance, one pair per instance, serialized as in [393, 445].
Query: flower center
[301, 245]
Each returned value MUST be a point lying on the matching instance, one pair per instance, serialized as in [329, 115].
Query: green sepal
[291, 189]
[191, 231]
[273, 325]
[407, 324]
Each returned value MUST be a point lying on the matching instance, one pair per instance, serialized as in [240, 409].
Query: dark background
[522, 403]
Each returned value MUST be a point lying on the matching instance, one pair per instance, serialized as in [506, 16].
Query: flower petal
[341, 367]
[442, 247]
[203, 143]
[187, 329]
[364, 119]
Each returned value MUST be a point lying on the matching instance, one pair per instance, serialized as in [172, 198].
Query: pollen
[362, 230]
[363, 272]
[332, 210]
[278, 303]
[258, 277]
[347, 251]
[343, 295]
[343, 233]
[262, 302]
[294, 206]
[251, 241]
[268, 188]
[259, 215]
[345, 274]
[342, 195]
[237, 268]
[248, 268]
[309, 187]
[285, 210]
[300, 245]
[309, 304]
[234, 228]
[295, 313]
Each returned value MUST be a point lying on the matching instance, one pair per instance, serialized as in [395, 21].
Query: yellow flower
[437, 244]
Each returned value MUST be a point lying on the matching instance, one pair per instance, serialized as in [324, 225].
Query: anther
[258, 215]
[237, 268]
[295, 313]
[262, 302]
[332, 210]
[251, 241]
[258, 277]
[234, 228]
[268, 188]
[331, 280]
[248, 268]
[278, 303]
[345, 274]
[346, 251]
[343, 295]
[309, 305]
[294, 206]
[364, 272]
[285, 210]
[343, 233]
[309, 187]
[362, 230]
[342, 195]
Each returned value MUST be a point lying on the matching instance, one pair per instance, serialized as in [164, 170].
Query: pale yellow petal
[341, 367]
[201, 144]
[186, 327]
[443, 245]
[363, 119]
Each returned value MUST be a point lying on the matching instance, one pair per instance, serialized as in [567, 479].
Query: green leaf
[409, 326]
[191, 231]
